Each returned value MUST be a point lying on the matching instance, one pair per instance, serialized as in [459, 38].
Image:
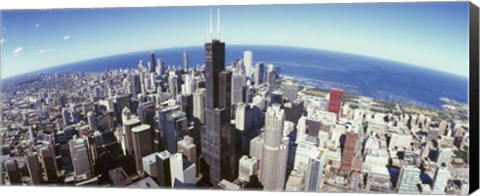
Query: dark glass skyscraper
[217, 135]
[153, 64]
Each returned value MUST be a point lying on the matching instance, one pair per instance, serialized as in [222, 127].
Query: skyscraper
[34, 168]
[152, 64]
[273, 163]
[259, 74]
[225, 90]
[217, 136]
[185, 61]
[80, 158]
[49, 165]
[183, 172]
[314, 173]
[248, 62]
[348, 153]
[92, 121]
[248, 166]
[142, 144]
[440, 180]
[66, 116]
[408, 179]
[335, 102]
[13, 172]
[136, 85]
[127, 131]
[146, 113]
[121, 101]
[199, 105]
[238, 81]
[163, 169]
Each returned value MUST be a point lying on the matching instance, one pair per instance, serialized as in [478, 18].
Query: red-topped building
[335, 102]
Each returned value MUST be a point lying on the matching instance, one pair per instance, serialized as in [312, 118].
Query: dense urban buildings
[244, 126]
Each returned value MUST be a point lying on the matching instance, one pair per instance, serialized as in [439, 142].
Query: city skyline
[246, 126]
[33, 40]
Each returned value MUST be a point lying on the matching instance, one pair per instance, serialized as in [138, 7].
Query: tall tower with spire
[217, 135]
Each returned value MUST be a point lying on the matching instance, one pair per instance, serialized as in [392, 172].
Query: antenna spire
[218, 23]
[211, 31]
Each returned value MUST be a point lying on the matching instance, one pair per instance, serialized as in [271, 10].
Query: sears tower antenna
[218, 23]
[211, 34]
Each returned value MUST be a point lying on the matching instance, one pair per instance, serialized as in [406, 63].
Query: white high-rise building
[248, 62]
[408, 179]
[182, 170]
[248, 166]
[273, 164]
[199, 104]
[92, 121]
[80, 158]
[440, 180]
[314, 173]
[238, 82]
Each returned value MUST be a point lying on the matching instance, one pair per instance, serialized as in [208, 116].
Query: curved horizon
[147, 51]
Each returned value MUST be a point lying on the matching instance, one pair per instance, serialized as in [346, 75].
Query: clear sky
[433, 35]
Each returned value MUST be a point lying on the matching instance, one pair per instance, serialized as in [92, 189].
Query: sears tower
[217, 135]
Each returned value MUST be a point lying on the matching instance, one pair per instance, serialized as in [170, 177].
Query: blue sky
[433, 35]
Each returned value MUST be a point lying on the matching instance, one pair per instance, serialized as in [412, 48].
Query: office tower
[335, 101]
[49, 165]
[142, 144]
[314, 172]
[92, 121]
[120, 102]
[136, 85]
[185, 61]
[290, 90]
[444, 155]
[243, 117]
[186, 101]
[238, 81]
[249, 93]
[149, 163]
[188, 148]
[34, 169]
[66, 116]
[348, 152]
[276, 97]
[271, 77]
[408, 179]
[146, 113]
[163, 169]
[161, 67]
[13, 172]
[217, 136]
[248, 62]
[152, 66]
[225, 90]
[127, 131]
[80, 158]
[273, 163]
[175, 128]
[248, 166]
[189, 84]
[440, 180]
[294, 110]
[259, 74]
[166, 125]
[31, 134]
[183, 172]
[199, 105]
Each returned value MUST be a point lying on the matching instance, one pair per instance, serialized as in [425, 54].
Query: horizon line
[269, 45]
